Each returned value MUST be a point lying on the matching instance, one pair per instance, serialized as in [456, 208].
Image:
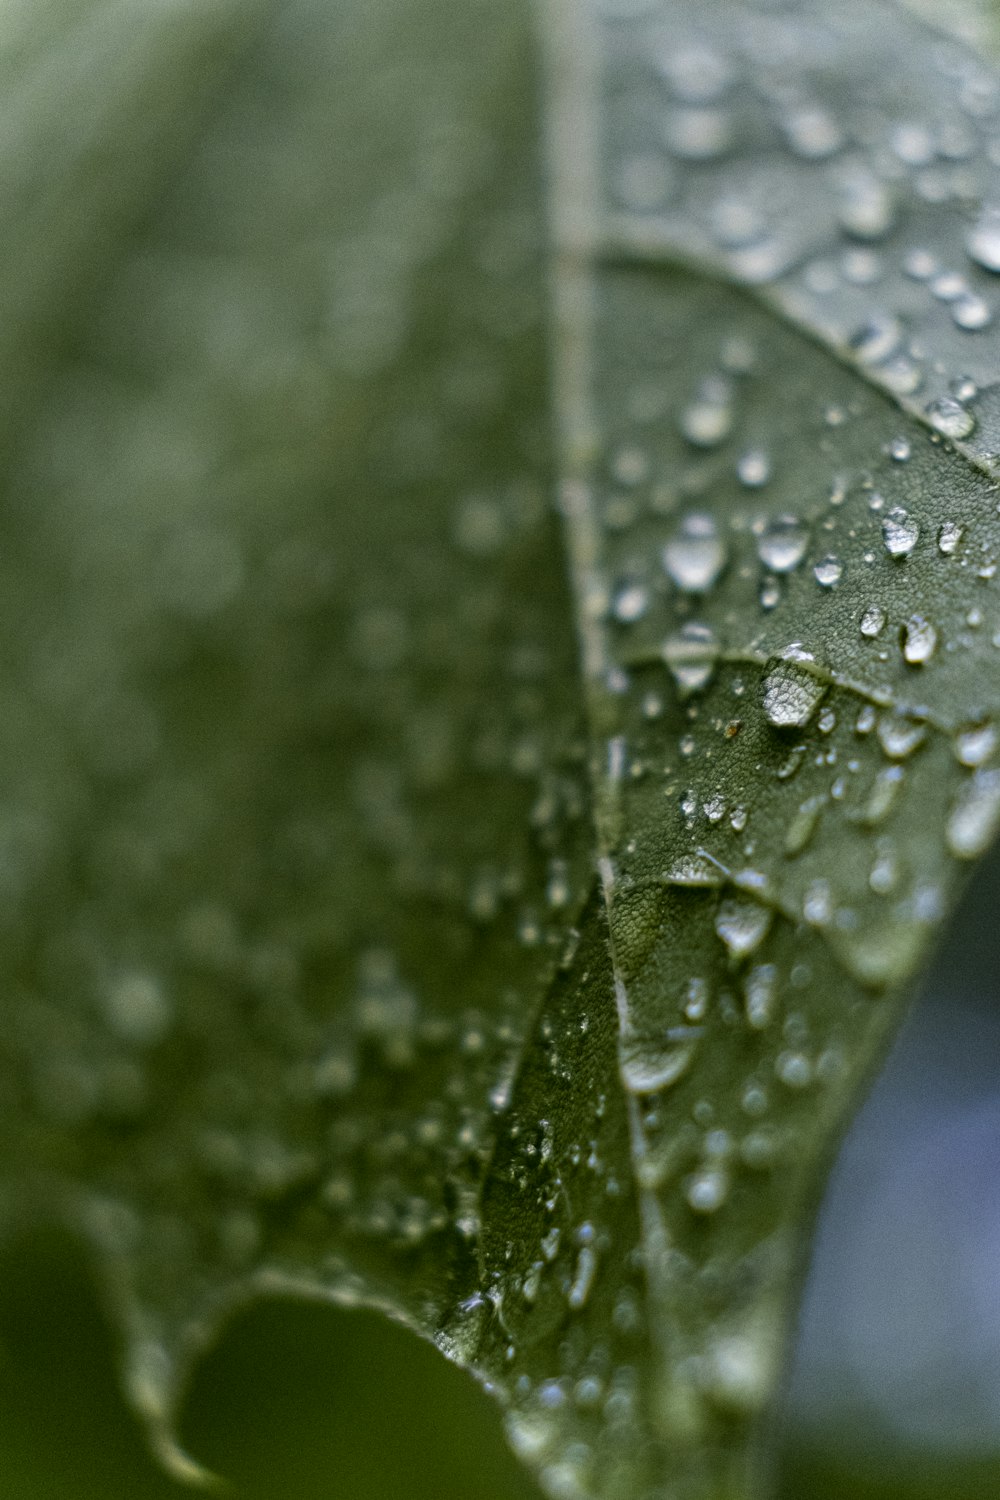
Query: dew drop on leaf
[983, 240]
[783, 543]
[691, 655]
[695, 555]
[742, 925]
[975, 815]
[899, 532]
[828, 572]
[791, 696]
[950, 418]
[919, 640]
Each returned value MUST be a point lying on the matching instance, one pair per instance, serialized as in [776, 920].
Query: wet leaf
[419, 894]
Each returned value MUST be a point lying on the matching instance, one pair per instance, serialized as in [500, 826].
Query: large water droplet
[783, 544]
[950, 417]
[695, 555]
[872, 621]
[949, 537]
[791, 696]
[975, 816]
[742, 925]
[899, 532]
[691, 655]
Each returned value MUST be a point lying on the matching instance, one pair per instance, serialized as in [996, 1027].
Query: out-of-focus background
[895, 1390]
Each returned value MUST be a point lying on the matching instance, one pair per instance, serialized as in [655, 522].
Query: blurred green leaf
[418, 896]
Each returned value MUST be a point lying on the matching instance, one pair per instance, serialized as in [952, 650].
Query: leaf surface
[424, 896]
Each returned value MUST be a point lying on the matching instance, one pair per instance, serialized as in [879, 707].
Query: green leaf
[419, 895]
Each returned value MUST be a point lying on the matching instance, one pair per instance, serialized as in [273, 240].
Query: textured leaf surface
[417, 897]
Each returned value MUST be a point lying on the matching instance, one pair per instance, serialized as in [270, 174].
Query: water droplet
[783, 544]
[899, 450]
[708, 420]
[983, 240]
[884, 875]
[811, 132]
[974, 746]
[828, 572]
[950, 418]
[651, 1063]
[872, 621]
[695, 72]
[138, 1009]
[696, 1004]
[760, 993]
[919, 640]
[753, 468]
[817, 903]
[866, 207]
[791, 696]
[691, 655]
[949, 537]
[706, 1191]
[794, 1070]
[882, 797]
[802, 826]
[876, 340]
[583, 1280]
[631, 603]
[899, 737]
[698, 134]
[899, 532]
[975, 815]
[695, 555]
[971, 312]
[742, 925]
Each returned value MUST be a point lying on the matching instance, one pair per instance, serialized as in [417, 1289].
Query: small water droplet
[691, 655]
[817, 903]
[882, 797]
[583, 1279]
[950, 418]
[876, 340]
[971, 312]
[983, 240]
[949, 537]
[919, 640]
[866, 207]
[706, 1191]
[828, 572]
[794, 1070]
[975, 746]
[760, 993]
[742, 925]
[753, 468]
[899, 532]
[631, 603]
[698, 134]
[695, 555]
[975, 815]
[872, 621]
[783, 543]
[803, 825]
[708, 420]
[899, 450]
[899, 737]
